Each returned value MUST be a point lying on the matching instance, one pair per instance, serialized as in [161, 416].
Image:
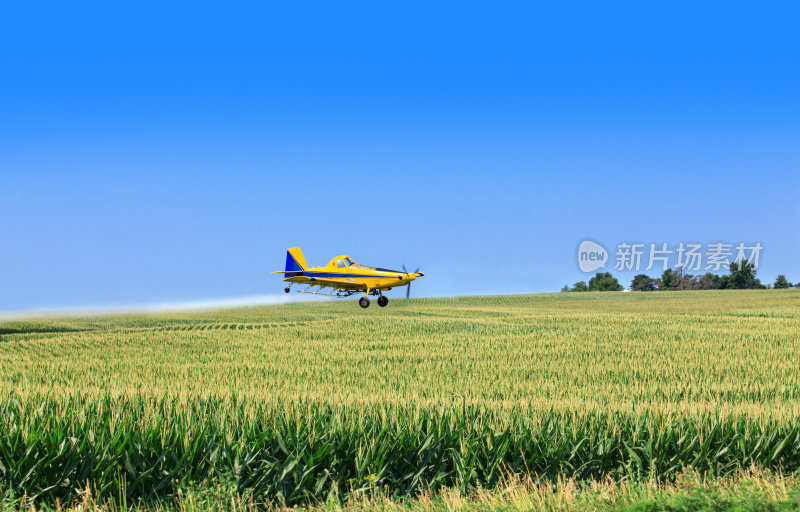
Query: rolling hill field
[312, 402]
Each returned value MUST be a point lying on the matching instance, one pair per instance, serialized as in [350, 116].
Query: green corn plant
[297, 403]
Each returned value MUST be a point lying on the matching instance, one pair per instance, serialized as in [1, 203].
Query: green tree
[604, 282]
[781, 282]
[743, 276]
[669, 279]
[722, 282]
[643, 283]
[707, 281]
[580, 286]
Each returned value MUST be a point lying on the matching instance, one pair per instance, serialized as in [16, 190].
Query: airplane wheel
[363, 302]
[383, 301]
[286, 289]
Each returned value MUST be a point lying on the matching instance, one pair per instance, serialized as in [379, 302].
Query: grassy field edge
[750, 490]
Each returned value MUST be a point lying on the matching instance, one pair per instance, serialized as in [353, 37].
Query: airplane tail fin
[295, 262]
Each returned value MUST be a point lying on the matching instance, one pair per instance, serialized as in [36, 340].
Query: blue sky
[153, 153]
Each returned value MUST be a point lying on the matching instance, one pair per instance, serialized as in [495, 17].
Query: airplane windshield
[349, 261]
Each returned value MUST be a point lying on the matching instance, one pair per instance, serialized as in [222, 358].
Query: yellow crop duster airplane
[345, 277]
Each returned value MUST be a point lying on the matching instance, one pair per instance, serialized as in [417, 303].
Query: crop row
[147, 448]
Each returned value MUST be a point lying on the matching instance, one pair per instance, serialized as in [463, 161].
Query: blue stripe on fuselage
[334, 274]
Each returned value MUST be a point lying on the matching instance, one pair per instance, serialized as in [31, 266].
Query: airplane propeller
[408, 286]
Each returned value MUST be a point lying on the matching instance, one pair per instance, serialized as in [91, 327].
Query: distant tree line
[742, 277]
[601, 282]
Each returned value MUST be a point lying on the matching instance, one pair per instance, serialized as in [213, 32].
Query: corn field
[299, 403]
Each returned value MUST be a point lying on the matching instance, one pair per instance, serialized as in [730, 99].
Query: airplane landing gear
[286, 289]
[383, 301]
[364, 302]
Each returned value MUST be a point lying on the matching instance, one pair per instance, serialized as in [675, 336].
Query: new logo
[591, 256]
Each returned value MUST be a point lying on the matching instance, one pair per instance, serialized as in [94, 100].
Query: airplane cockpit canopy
[341, 262]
